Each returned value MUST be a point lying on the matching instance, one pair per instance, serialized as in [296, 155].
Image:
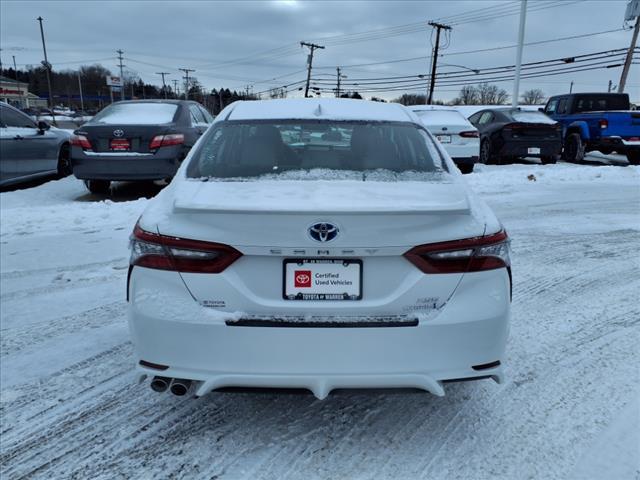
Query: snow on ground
[569, 410]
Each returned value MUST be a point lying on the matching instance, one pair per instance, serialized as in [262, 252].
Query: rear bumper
[196, 343]
[616, 143]
[110, 166]
[520, 148]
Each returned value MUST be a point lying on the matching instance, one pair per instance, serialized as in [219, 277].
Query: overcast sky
[228, 43]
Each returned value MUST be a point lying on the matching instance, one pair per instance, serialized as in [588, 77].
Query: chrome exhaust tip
[160, 384]
[180, 386]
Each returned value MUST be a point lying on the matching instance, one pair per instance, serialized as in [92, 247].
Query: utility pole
[434, 63]
[80, 87]
[312, 47]
[571, 87]
[164, 86]
[609, 87]
[15, 69]
[516, 83]
[47, 67]
[175, 88]
[120, 52]
[633, 10]
[339, 77]
[186, 81]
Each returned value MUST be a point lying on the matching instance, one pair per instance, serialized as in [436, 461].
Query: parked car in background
[507, 134]
[456, 134]
[29, 150]
[319, 244]
[136, 140]
[596, 121]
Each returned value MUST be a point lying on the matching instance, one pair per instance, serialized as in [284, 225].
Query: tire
[634, 157]
[100, 187]
[466, 169]
[573, 148]
[548, 160]
[485, 153]
[64, 162]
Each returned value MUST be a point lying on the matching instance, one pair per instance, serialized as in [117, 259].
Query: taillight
[166, 140]
[459, 256]
[81, 141]
[469, 134]
[163, 252]
[604, 123]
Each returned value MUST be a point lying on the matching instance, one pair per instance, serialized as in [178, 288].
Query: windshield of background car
[137, 114]
[441, 117]
[529, 117]
[303, 149]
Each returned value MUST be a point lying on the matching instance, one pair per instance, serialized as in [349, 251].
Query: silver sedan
[30, 150]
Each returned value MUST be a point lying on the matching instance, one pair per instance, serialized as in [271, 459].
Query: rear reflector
[486, 366]
[469, 134]
[166, 140]
[459, 256]
[604, 123]
[81, 141]
[155, 366]
[162, 252]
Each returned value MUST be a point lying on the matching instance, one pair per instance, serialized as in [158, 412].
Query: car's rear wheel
[573, 148]
[485, 153]
[548, 159]
[634, 157]
[64, 162]
[466, 169]
[98, 186]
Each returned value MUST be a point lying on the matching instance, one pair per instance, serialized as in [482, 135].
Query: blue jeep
[596, 121]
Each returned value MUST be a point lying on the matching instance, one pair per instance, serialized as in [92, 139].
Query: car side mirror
[43, 126]
[541, 109]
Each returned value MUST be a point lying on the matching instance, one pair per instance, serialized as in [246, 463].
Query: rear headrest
[268, 133]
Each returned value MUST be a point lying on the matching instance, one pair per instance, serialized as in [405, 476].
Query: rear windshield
[597, 103]
[137, 114]
[304, 149]
[441, 117]
[529, 116]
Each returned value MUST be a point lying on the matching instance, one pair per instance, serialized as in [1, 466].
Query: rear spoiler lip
[455, 209]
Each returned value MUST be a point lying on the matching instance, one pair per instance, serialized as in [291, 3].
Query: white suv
[318, 244]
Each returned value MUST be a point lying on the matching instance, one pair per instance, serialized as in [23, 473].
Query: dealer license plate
[120, 144]
[444, 138]
[322, 279]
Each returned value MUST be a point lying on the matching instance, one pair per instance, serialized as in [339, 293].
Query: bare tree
[533, 96]
[468, 96]
[491, 94]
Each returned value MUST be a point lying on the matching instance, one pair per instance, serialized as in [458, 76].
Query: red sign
[302, 279]
[120, 144]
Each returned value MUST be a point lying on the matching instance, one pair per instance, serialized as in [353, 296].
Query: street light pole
[516, 83]
[80, 87]
[47, 67]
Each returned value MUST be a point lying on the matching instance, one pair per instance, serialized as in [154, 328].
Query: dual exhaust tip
[178, 386]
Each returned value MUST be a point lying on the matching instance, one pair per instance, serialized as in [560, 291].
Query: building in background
[17, 94]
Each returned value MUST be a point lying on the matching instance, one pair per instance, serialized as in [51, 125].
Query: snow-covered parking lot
[569, 410]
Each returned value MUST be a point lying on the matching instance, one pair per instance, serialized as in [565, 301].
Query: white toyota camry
[318, 244]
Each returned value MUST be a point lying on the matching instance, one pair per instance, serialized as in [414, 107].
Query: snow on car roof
[318, 109]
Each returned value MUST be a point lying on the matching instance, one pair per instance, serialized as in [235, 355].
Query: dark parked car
[507, 134]
[29, 150]
[597, 121]
[136, 140]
